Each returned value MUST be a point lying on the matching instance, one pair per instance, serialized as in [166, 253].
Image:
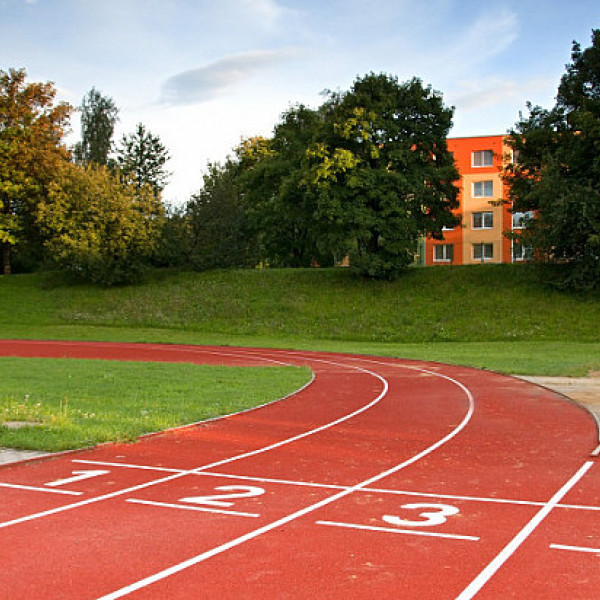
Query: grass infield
[77, 403]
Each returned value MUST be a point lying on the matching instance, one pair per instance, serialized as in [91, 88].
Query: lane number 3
[434, 514]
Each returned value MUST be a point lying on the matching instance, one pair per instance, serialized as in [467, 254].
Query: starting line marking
[393, 530]
[33, 488]
[142, 583]
[179, 474]
[196, 508]
[332, 486]
[576, 548]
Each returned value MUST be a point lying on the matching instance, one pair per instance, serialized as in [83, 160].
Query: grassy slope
[492, 316]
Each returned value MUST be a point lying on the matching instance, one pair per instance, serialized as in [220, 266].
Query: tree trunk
[6, 259]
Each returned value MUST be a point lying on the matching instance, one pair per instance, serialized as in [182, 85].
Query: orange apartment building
[480, 236]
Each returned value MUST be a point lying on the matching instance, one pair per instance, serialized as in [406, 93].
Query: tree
[557, 174]
[280, 199]
[142, 158]
[383, 171]
[98, 227]
[218, 231]
[99, 115]
[31, 150]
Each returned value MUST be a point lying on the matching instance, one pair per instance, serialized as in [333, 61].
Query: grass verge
[78, 403]
[494, 316]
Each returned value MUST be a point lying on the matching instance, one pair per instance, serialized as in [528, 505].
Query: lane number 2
[434, 514]
[222, 500]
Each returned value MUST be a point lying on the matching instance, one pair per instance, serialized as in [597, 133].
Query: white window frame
[487, 215]
[484, 157]
[447, 256]
[483, 192]
[521, 218]
[525, 254]
[483, 247]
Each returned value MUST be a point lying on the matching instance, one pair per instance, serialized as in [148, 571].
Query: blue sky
[202, 74]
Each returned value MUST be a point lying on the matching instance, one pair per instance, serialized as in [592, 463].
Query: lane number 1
[77, 476]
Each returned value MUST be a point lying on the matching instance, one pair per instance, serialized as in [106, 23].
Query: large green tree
[218, 235]
[556, 174]
[142, 157]
[383, 172]
[279, 196]
[99, 115]
[32, 126]
[98, 227]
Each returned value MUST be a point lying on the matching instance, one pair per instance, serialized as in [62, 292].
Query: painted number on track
[222, 500]
[434, 514]
[77, 476]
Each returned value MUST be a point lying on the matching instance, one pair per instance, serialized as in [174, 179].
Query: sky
[203, 74]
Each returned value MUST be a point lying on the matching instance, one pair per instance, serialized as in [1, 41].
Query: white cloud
[205, 83]
[268, 11]
[475, 94]
[480, 40]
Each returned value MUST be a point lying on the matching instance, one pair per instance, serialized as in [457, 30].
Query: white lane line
[128, 466]
[218, 463]
[222, 475]
[33, 488]
[475, 586]
[404, 531]
[142, 583]
[331, 486]
[196, 508]
[576, 548]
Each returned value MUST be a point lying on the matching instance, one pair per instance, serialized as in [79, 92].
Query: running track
[382, 478]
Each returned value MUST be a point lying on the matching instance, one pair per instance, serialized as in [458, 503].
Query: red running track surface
[383, 478]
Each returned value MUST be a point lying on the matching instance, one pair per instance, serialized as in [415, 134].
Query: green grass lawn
[456, 304]
[80, 403]
[494, 316]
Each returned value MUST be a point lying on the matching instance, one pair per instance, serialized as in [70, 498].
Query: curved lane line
[142, 583]
[66, 507]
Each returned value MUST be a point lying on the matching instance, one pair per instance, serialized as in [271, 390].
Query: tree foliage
[142, 157]
[280, 200]
[383, 171]
[365, 175]
[557, 174]
[98, 227]
[99, 115]
[31, 150]
[219, 236]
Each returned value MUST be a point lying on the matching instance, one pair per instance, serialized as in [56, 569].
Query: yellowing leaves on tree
[98, 226]
[31, 130]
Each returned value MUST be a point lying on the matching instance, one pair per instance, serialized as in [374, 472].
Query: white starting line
[33, 488]
[490, 499]
[576, 548]
[451, 536]
[196, 508]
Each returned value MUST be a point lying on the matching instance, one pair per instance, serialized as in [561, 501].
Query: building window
[443, 252]
[483, 252]
[483, 220]
[482, 158]
[483, 189]
[521, 252]
[520, 219]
